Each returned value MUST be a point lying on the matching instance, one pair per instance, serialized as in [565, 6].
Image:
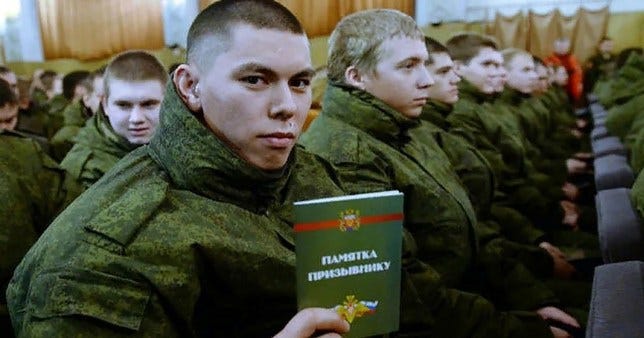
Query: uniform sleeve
[428, 308]
[77, 302]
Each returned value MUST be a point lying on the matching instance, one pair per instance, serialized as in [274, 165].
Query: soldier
[369, 129]
[46, 85]
[601, 66]
[9, 76]
[519, 237]
[476, 118]
[8, 106]
[32, 192]
[535, 122]
[191, 234]
[134, 89]
[77, 113]
[32, 120]
[562, 54]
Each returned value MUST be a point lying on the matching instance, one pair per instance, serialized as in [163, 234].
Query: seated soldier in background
[534, 123]
[537, 127]
[370, 130]
[8, 106]
[11, 78]
[72, 92]
[508, 229]
[45, 86]
[32, 120]
[85, 104]
[191, 235]
[31, 195]
[600, 66]
[562, 53]
[476, 118]
[134, 85]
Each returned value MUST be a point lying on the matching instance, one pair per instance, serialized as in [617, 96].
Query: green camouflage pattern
[621, 119]
[476, 174]
[498, 226]
[33, 121]
[96, 150]
[627, 83]
[32, 192]
[74, 117]
[529, 117]
[474, 118]
[600, 66]
[182, 238]
[637, 194]
[374, 148]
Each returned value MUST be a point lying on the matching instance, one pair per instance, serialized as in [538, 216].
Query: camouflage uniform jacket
[55, 108]
[74, 117]
[31, 194]
[374, 148]
[600, 66]
[474, 118]
[621, 119]
[627, 83]
[97, 149]
[498, 226]
[530, 119]
[182, 238]
[33, 121]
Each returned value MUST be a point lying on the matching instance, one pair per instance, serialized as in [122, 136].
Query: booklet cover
[348, 258]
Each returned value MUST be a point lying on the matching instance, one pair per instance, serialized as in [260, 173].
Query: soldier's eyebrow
[305, 74]
[254, 67]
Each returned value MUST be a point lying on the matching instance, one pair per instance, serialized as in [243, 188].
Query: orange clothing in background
[575, 86]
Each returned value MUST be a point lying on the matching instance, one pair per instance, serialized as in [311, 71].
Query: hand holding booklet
[348, 258]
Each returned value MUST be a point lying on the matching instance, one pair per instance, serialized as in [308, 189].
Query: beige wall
[626, 30]
[67, 65]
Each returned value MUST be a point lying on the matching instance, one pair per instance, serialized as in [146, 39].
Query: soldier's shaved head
[133, 66]
[465, 46]
[210, 32]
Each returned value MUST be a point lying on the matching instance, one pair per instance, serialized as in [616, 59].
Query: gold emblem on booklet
[350, 220]
[352, 308]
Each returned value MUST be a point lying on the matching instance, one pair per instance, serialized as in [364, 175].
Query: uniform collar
[99, 134]
[366, 112]
[198, 161]
[467, 91]
[436, 112]
[513, 97]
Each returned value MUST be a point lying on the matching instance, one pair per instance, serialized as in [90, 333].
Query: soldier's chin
[274, 162]
[139, 140]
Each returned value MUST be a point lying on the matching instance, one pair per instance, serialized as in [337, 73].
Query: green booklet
[348, 258]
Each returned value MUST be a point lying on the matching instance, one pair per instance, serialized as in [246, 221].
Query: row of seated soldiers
[493, 172]
[623, 97]
[51, 108]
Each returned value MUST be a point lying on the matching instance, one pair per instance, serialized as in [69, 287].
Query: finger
[565, 318]
[330, 335]
[307, 321]
[559, 332]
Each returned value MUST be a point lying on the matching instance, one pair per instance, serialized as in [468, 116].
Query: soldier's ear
[104, 104]
[353, 77]
[186, 81]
